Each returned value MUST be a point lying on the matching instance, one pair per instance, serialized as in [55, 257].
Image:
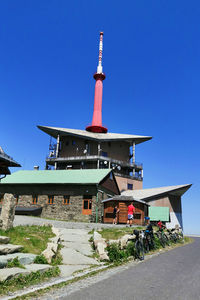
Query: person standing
[131, 211]
[115, 212]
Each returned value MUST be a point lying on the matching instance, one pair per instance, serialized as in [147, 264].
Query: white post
[133, 153]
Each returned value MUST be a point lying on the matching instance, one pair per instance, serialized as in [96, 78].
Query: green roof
[89, 176]
[157, 213]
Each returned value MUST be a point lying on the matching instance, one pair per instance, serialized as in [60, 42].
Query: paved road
[172, 275]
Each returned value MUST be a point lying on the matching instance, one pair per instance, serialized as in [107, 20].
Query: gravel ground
[27, 220]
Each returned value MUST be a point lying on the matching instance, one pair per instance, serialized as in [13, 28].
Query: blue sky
[151, 57]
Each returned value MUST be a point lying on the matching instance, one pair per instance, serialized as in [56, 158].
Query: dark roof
[124, 198]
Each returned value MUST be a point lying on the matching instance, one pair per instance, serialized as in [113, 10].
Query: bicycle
[139, 247]
[162, 237]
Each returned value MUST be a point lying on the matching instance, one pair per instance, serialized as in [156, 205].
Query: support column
[98, 152]
[133, 153]
[57, 150]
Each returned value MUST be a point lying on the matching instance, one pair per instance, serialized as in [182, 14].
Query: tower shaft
[99, 76]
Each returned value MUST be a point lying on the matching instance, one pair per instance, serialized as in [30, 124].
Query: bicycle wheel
[146, 245]
[166, 239]
[162, 241]
[139, 250]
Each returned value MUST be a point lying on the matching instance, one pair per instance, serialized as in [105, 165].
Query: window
[87, 205]
[130, 186]
[1, 198]
[50, 199]
[17, 199]
[105, 154]
[66, 200]
[34, 199]
[111, 175]
[73, 143]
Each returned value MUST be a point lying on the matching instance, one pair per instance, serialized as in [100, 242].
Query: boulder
[9, 248]
[100, 246]
[4, 239]
[124, 240]
[101, 250]
[8, 211]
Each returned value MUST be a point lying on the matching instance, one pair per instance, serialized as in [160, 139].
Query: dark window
[111, 176]
[73, 143]
[50, 199]
[66, 200]
[105, 154]
[85, 204]
[66, 143]
[34, 199]
[130, 186]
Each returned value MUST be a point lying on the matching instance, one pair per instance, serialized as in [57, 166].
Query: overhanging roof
[88, 176]
[6, 160]
[124, 198]
[54, 131]
[147, 194]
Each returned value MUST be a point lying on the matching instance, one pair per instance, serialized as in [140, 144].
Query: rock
[4, 239]
[114, 242]
[24, 258]
[8, 211]
[49, 253]
[124, 240]
[37, 267]
[9, 273]
[9, 248]
[96, 236]
[101, 250]
[100, 246]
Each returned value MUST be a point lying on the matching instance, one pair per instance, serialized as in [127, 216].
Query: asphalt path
[172, 275]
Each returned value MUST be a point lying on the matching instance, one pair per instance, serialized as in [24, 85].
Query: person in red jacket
[131, 211]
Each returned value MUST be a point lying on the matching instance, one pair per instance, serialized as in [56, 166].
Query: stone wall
[70, 212]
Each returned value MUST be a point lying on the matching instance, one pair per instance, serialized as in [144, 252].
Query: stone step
[9, 273]
[24, 258]
[9, 248]
[4, 239]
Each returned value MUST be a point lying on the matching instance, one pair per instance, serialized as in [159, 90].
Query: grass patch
[14, 263]
[33, 238]
[116, 233]
[23, 281]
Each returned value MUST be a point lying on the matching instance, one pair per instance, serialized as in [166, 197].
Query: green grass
[14, 263]
[23, 281]
[116, 233]
[33, 238]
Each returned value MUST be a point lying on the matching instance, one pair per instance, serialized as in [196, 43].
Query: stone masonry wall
[69, 212]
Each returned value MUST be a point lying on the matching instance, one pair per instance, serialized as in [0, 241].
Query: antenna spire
[99, 76]
[100, 68]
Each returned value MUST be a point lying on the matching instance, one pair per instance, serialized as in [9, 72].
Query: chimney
[99, 76]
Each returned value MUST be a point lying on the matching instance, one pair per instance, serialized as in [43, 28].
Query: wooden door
[123, 212]
[87, 206]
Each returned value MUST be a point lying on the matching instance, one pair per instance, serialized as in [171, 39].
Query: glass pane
[85, 204]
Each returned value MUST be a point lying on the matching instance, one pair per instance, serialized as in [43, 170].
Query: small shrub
[40, 259]
[115, 254]
[130, 249]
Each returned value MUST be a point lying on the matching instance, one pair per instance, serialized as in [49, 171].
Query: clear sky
[151, 57]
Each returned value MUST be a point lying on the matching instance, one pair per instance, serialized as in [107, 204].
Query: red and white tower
[99, 76]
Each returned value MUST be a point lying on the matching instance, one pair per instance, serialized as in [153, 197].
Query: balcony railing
[95, 158]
